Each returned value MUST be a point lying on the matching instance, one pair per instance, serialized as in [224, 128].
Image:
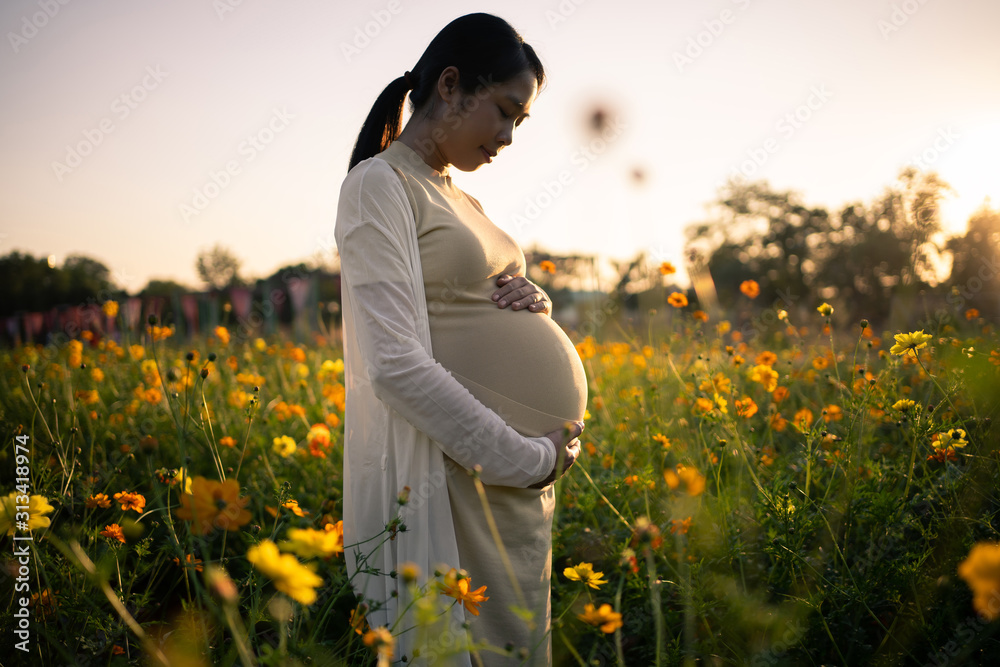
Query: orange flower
[981, 571]
[227, 441]
[666, 268]
[832, 413]
[971, 314]
[131, 501]
[746, 407]
[114, 532]
[779, 394]
[547, 266]
[100, 500]
[457, 584]
[803, 419]
[190, 561]
[677, 300]
[750, 288]
[700, 315]
[778, 423]
[213, 504]
[766, 358]
[680, 526]
[222, 333]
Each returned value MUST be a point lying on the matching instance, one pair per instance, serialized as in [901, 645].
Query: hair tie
[409, 82]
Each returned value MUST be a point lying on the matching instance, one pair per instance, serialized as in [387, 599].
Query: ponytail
[483, 47]
[384, 122]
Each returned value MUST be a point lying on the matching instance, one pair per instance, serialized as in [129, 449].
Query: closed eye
[503, 114]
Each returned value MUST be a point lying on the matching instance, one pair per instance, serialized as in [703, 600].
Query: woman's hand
[519, 293]
[567, 446]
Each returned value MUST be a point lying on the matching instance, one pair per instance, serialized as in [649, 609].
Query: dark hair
[483, 47]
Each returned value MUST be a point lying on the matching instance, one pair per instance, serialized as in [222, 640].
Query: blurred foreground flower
[383, 643]
[981, 571]
[38, 507]
[213, 504]
[750, 288]
[312, 543]
[677, 300]
[603, 617]
[291, 577]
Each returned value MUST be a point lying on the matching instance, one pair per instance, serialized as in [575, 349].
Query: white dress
[404, 412]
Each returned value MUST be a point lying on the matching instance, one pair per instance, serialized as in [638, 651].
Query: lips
[489, 156]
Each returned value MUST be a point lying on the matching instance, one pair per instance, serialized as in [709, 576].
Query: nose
[506, 136]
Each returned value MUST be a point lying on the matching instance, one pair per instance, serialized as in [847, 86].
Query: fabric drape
[404, 411]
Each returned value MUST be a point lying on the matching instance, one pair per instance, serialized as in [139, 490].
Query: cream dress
[518, 363]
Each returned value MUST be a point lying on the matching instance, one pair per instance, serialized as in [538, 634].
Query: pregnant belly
[519, 363]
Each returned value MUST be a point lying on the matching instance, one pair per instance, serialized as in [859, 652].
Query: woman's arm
[378, 282]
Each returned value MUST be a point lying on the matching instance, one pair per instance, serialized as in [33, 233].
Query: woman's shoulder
[373, 173]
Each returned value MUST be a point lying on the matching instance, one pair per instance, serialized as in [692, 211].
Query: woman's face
[476, 126]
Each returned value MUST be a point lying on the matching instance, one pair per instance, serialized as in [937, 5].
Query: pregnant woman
[452, 360]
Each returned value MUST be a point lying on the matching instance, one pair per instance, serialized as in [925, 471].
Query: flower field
[809, 494]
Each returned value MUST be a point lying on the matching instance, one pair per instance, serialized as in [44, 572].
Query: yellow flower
[284, 446]
[719, 384]
[110, 308]
[677, 300]
[137, 352]
[750, 288]
[981, 571]
[457, 585]
[312, 543]
[825, 309]
[766, 376]
[955, 437]
[603, 617]
[260, 344]
[666, 268]
[213, 504]
[903, 405]
[663, 440]
[97, 374]
[584, 572]
[38, 507]
[547, 266]
[182, 478]
[291, 577]
[131, 501]
[222, 333]
[114, 532]
[910, 343]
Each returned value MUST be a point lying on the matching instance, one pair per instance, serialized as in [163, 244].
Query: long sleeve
[378, 275]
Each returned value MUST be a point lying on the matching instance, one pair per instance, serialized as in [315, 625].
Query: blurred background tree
[218, 268]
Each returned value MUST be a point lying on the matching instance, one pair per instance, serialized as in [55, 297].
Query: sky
[140, 133]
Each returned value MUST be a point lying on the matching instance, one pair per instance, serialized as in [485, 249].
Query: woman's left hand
[519, 293]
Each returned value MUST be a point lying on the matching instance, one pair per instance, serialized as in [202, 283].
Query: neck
[419, 135]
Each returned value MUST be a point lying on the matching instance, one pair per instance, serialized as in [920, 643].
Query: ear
[447, 84]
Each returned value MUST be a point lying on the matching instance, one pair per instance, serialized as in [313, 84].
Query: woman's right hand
[567, 445]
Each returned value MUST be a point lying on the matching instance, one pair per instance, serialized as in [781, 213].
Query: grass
[767, 501]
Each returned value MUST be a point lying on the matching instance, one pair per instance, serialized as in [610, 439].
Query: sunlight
[972, 167]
